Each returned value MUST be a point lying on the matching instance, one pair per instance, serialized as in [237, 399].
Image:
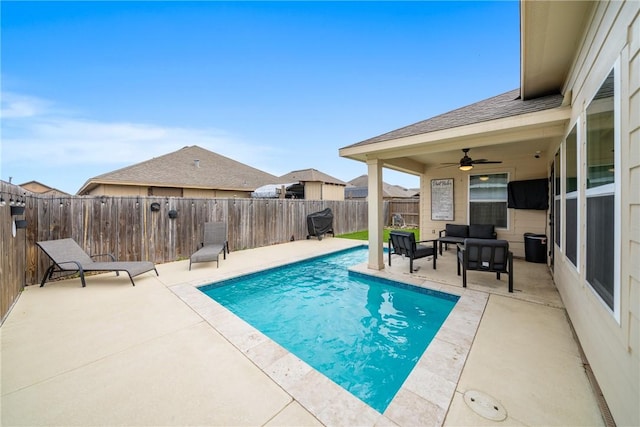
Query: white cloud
[18, 106]
[34, 133]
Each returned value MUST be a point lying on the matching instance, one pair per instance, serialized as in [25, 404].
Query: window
[600, 192]
[571, 195]
[557, 201]
[488, 199]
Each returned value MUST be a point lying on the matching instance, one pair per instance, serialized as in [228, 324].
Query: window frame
[507, 216]
[607, 189]
[575, 194]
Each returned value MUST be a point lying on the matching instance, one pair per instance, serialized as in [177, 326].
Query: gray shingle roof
[501, 106]
[310, 175]
[190, 167]
[388, 190]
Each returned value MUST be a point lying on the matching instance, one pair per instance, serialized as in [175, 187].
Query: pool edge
[424, 397]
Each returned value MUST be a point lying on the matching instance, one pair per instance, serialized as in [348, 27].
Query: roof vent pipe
[196, 162]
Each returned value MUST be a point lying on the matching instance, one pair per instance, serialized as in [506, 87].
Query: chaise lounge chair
[67, 255]
[215, 242]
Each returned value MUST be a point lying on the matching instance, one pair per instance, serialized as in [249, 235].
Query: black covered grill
[320, 223]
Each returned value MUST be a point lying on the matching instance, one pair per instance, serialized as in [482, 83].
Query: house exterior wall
[194, 193]
[118, 190]
[610, 340]
[520, 221]
[332, 192]
[312, 190]
[36, 187]
[143, 191]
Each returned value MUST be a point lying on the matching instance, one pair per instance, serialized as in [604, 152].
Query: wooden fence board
[126, 227]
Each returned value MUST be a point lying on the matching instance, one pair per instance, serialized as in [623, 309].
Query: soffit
[550, 34]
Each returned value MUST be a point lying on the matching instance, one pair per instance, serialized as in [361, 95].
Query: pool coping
[423, 399]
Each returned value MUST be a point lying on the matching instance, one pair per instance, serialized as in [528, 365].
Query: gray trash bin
[535, 247]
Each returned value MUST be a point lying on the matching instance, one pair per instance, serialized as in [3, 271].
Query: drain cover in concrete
[485, 405]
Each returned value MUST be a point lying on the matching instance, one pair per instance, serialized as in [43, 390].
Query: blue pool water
[365, 334]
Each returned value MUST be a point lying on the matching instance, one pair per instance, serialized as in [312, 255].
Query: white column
[376, 261]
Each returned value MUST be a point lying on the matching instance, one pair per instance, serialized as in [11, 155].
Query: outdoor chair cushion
[453, 233]
[490, 255]
[404, 243]
[482, 231]
[456, 230]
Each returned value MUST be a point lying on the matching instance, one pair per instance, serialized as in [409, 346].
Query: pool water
[366, 334]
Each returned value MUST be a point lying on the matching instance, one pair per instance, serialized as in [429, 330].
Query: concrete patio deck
[162, 353]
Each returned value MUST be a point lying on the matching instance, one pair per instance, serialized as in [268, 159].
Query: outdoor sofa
[456, 233]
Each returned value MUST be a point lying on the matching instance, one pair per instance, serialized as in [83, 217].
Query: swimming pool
[365, 334]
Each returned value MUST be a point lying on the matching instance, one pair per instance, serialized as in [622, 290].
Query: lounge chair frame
[67, 256]
[215, 242]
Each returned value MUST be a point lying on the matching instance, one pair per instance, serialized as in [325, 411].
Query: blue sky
[90, 87]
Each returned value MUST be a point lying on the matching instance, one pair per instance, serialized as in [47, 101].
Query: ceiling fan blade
[486, 162]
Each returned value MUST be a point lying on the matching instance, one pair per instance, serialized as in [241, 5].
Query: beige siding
[36, 187]
[118, 190]
[194, 193]
[611, 346]
[140, 191]
[520, 220]
[313, 191]
[332, 192]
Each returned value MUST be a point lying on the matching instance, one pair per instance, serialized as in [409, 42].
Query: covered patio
[162, 353]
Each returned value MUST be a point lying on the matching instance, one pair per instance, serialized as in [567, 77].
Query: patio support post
[376, 261]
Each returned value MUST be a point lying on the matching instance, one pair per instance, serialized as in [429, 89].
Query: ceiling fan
[466, 163]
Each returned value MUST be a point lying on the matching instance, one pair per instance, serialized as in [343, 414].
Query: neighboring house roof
[356, 192]
[311, 175]
[501, 106]
[40, 188]
[359, 189]
[189, 167]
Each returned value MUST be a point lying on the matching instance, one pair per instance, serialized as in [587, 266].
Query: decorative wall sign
[442, 199]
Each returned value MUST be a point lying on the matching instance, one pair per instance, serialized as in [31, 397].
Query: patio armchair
[66, 255]
[485, 255]
[404, 243]
[215, 242]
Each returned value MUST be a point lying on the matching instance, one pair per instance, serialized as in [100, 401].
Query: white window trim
[506, 201]
[614, 189]
[575, 194]
[558, 176]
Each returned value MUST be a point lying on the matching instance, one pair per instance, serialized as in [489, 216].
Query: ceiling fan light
[465, 168]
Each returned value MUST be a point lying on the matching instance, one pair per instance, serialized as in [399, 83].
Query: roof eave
[531, 125]
[550, 32]
[91, 184]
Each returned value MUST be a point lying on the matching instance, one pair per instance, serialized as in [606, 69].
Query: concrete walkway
[161, 354]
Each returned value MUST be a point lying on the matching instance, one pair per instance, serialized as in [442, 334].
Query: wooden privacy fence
[405, 211]
[130, 229]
